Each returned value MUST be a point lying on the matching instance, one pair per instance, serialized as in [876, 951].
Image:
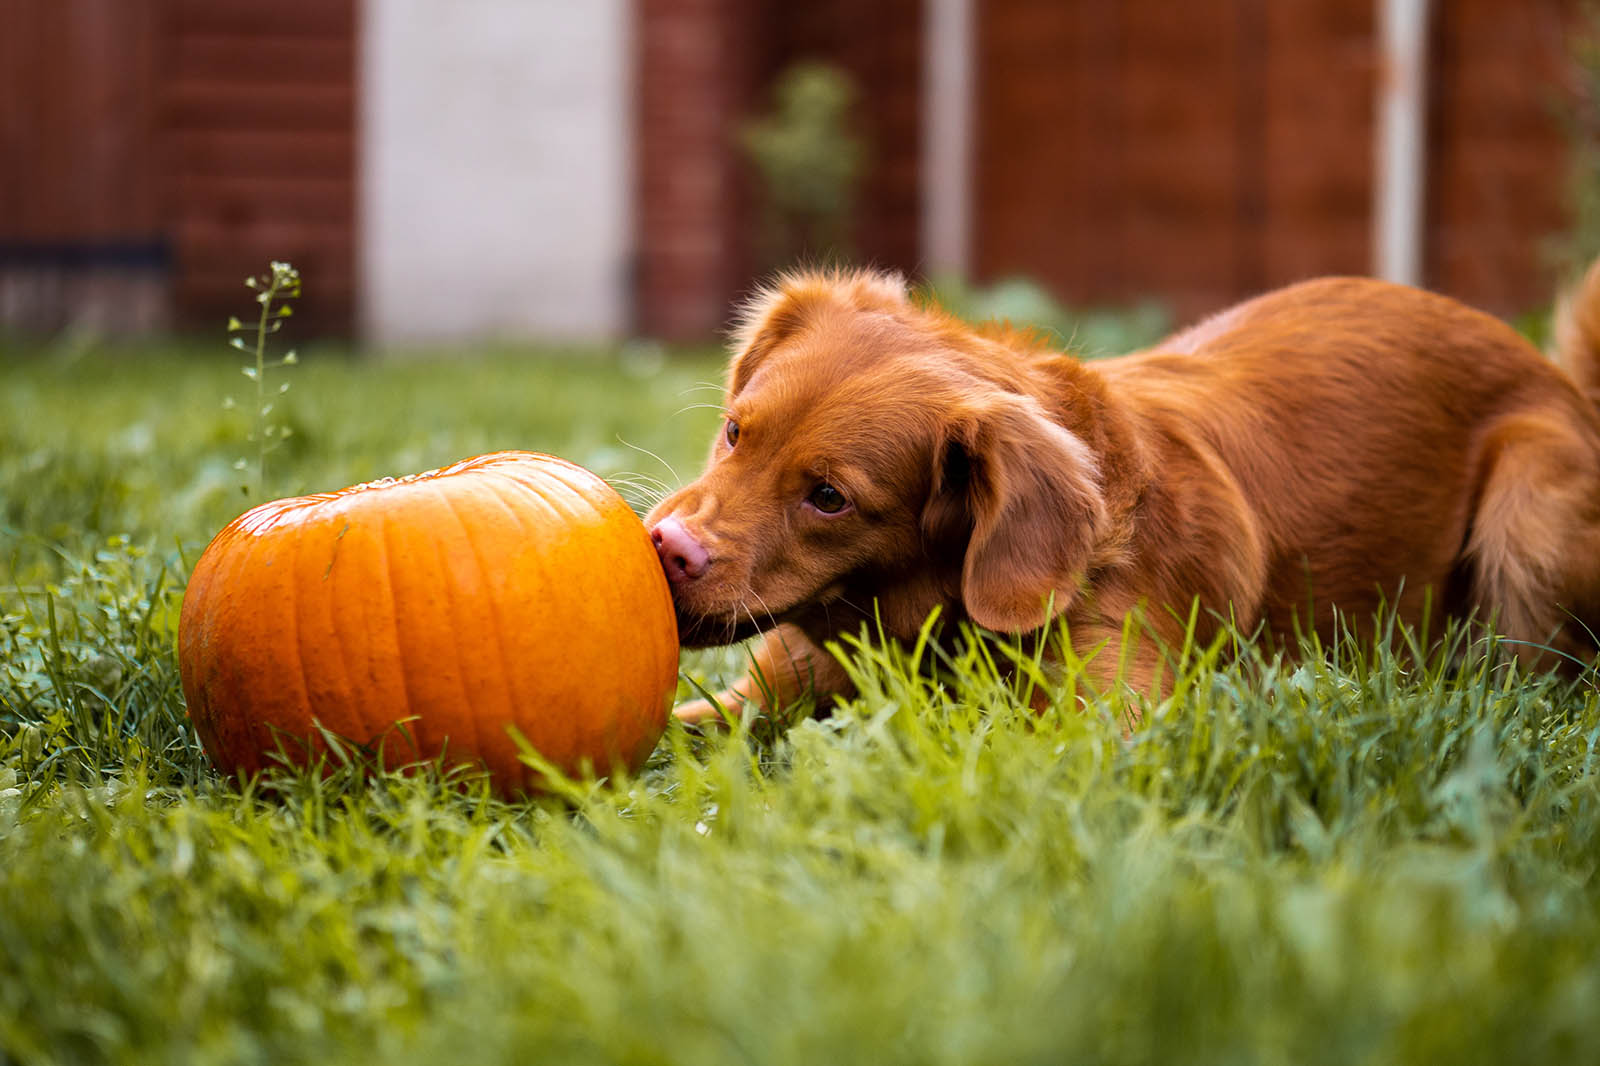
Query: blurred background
[457, 170]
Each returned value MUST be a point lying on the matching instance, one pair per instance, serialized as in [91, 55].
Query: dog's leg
[1129, 660]
[1534, 546]
[784, 666]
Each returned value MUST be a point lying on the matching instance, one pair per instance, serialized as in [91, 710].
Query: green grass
[1364, 858]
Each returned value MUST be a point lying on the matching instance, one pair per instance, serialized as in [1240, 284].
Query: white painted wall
[495, 169]
[1399, 153]
[947, 135]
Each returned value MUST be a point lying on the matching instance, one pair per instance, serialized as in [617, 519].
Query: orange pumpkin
[509, 590]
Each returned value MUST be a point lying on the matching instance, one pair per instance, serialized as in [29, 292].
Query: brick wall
[696, 77]
[879, 45]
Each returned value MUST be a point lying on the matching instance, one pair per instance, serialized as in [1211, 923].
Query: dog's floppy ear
[779, 310]
[765, 319]
[1030, 490]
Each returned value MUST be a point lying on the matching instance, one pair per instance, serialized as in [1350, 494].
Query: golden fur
[1335, 446]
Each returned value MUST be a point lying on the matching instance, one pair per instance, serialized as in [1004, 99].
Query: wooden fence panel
[153, 153]
[77, 112]
[258, 110]
[1205, 151]
[1498, 162]
[81, 240]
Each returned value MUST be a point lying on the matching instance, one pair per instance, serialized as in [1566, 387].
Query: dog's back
[1394, 447]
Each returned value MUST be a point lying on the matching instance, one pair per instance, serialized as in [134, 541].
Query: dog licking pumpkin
[1315, 453]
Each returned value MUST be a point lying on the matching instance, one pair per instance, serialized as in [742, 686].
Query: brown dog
[1335, 446]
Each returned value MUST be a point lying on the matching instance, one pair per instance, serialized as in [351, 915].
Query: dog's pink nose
[682, 557]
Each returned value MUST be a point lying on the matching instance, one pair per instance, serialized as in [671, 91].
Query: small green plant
[809, 161]
[280, 284]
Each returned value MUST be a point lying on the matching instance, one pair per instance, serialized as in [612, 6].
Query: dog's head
[873, 450]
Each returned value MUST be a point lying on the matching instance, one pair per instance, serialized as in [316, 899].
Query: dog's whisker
[772, 619]
[646, 451]
[742, 608]
[739, 608]
[641, 492]
[635, 480]
[647, 485]
[686, 408]
[856, 607]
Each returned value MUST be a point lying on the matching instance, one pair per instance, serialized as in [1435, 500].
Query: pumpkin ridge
[530, 493]
[351, 518]
[455, 629]
[511, 696]
[409, 718]
[533, 491]
[600, 498]
[573, 496]
[353, 706]
[259, 621]
[312, 723]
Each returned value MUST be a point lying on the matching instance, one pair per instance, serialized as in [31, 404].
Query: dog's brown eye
[732, 433]
[826, 499]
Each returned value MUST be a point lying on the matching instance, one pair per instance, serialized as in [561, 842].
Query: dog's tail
[1577, 332]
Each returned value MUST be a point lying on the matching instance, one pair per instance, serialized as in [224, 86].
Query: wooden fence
[175, 146]
[1207, 150]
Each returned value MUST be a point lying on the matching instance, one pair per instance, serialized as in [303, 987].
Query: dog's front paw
[719, 712]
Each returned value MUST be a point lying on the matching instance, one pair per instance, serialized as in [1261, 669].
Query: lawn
[1369, 856]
